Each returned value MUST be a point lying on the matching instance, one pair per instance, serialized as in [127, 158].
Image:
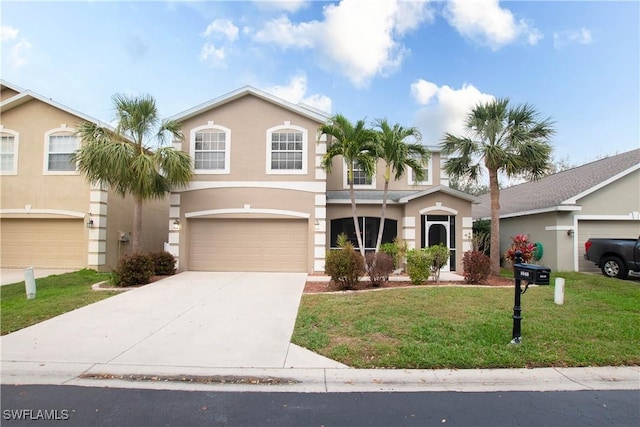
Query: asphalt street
[42, 405]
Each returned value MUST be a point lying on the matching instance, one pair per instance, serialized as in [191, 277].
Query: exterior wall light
[176, 224]
[570, 232]
[90, 223]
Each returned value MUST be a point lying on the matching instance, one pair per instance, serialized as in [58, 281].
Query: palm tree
[124, 160]
[356, 145]
[504, 140]
[399, 156]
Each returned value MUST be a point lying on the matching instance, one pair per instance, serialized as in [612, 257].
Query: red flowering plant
[520, 243]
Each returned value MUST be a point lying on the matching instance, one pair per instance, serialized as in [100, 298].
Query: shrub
[419, 262]
[520, 243]
[439, 258]
[477, 267]
[345, 266]
[164, 264]
[379, 267]
[397, 250]
[482, 236]
[134, 269]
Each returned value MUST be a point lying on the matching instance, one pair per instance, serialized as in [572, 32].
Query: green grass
[54, 295]
[454, 327]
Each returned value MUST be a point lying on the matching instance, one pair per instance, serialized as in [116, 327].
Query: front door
[438, 232]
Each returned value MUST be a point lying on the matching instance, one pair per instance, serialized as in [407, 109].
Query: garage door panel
[42, 243]
[602, 229]
[248, 245]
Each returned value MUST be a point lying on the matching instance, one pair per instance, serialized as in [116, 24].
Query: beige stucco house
[50, 217]
[260, 201]
[562, 211]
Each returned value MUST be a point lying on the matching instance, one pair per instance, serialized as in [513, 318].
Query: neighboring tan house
[260, 201]
[50, 216]
[563, 210]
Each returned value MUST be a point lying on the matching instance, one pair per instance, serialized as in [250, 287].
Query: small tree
[439, 258]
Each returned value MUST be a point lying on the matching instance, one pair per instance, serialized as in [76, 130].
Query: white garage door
[248, 245]
[43, 243]
[602, 229]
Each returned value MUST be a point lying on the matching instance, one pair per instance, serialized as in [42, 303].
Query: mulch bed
[312, 287]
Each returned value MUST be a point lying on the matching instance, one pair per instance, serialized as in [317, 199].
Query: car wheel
[614, 267]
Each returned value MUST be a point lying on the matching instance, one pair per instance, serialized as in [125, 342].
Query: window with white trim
[427, 180]
[8, 153]
[210, 149]
[286, 149]
[360, 178]
[60, 145]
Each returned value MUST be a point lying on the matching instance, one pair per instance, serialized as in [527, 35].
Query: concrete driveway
[192, 319]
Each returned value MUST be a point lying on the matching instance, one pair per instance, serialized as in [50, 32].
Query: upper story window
[8, 152]
[360, 178]
[427, 180]
[60, 144]
[287, 149]
[211, 148]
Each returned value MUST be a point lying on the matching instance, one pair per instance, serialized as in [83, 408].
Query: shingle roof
[560, 189]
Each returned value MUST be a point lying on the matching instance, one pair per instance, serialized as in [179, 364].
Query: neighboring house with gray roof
[563, 210]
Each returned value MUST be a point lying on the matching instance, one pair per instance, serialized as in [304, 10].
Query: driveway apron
[190, 319]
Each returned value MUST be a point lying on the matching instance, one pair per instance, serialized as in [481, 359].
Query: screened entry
[369, 227]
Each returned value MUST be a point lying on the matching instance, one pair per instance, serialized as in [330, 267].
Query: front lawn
[455, 327]
[54, 295]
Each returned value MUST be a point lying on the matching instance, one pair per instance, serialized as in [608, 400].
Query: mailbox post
[532, 274]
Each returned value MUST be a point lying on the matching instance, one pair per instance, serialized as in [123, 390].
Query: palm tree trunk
[136, 235]
[383, 214]
[356, 223]
[495, 221]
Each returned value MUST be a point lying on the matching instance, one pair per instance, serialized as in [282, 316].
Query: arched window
[8, 152]
[210, 149]
[286, 149]
[59, 146]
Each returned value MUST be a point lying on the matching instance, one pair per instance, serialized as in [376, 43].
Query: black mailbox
[532, 273]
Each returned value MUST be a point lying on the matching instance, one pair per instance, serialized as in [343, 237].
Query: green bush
[419, 262]
[345, 266]
[397, 250]
[477, 267]
[164, 264]
[134, 269]
[379, 267]
[439, 258]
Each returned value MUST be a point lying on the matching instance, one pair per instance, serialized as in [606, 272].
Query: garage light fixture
[90, 222]
[176, 224]
[570, 232]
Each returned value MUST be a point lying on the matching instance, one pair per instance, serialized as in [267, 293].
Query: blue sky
[418, 63]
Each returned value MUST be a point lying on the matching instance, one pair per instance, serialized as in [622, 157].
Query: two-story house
[50, 216]
[260, 201]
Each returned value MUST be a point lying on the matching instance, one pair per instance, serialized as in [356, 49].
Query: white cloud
[212, 55]
[8, 33]
[287, 5]
[485, 22]
[296, 92]
[579, 36]
[222, 27]
[444, 109]
[283, 32]
[19, 50]
[357, 38]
